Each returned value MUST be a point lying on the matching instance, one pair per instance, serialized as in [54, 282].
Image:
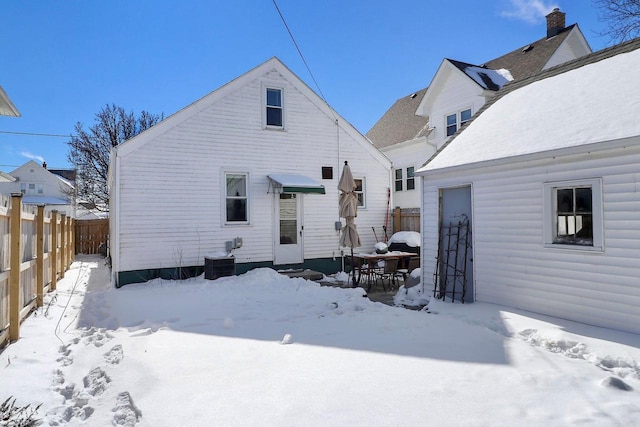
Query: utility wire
[55, 135]
[300, 52]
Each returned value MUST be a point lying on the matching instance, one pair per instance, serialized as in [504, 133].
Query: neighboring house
[6, 106]
[417, 125]
[548, 175]
[40, 187]
[257, 159]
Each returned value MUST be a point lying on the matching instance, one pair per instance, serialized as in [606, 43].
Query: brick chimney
[555, 22]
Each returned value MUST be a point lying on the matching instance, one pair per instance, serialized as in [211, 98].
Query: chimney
[555, 22]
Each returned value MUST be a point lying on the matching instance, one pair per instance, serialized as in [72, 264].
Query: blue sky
[62, 63]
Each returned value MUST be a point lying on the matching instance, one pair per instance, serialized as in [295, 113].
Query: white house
[39, 186]
[6, 105]
[547, 176]
[417, 125]
[256, 161]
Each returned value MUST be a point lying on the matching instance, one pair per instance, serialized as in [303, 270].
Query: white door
[288, 229]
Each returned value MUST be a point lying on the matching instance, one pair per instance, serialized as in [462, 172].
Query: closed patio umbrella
[349, 210]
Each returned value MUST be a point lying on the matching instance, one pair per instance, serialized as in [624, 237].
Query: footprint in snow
[115, 355]
[126, 413]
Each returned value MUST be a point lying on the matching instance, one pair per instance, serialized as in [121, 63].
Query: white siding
[406, 155]
[511, 265]
[171, 189]
[459, 93]
[574, 46]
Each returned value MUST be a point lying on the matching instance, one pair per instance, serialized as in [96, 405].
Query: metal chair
[388, 272]
[414, 262]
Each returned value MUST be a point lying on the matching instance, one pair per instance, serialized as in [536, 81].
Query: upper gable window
[274, 107]
[455, 120]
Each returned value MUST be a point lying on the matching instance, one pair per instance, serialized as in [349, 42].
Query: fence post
[40, 257]
[397, 219]
[70, 246]
[15, 261]
[63, 242]
[54, 249]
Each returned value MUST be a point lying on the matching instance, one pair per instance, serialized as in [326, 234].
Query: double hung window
[236, 196]
[274, 108]
[455, 120]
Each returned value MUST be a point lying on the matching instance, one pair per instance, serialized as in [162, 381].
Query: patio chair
[388, 272]
[361, 270]
[414, 262]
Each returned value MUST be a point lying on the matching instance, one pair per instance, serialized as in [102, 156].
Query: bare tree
[90, 149]
[621, 16]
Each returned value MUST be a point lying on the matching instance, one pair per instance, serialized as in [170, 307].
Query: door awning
[288, 183]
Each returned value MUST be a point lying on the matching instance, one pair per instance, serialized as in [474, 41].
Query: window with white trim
[398, 180]
[31, 189]
[573, 214]
[274, 113]
[455, 120]
[236, 197]
[360, 192]
[411, 181]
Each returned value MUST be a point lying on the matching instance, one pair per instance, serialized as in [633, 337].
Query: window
[398, 180]
[274, 108]
[327, 172]
[31, 189]
[452, 124]
[573, 214]
[465, 116]
[236, 198]
[360, 190]
[411, 181]
[460, 117]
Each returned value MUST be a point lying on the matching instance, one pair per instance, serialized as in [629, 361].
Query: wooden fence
[90, 234]
[406, 219]
[36, 249]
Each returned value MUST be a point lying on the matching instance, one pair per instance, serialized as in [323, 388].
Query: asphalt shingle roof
[400, 122]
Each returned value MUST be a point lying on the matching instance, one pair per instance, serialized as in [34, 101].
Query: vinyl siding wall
[511, 265]
[459, 93]
[171, 189]
[405, 155]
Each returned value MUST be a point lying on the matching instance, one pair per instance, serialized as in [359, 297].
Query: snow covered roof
[44, 200]
[590, 100]
[485, 77]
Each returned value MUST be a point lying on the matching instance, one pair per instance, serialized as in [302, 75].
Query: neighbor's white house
[6, 105]
[549, 176]
[258, 159]
[420, 123]
[39, 186]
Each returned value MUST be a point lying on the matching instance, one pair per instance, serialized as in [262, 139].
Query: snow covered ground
[261, 349]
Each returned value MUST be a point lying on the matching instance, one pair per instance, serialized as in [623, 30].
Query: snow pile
[263, 348]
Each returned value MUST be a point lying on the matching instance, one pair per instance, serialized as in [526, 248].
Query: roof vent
[527, 48]
[413, 95]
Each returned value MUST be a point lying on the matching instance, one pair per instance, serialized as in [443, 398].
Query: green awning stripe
[317, 190]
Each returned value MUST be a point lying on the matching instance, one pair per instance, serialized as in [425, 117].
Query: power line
[299, 51]
[55, 135]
